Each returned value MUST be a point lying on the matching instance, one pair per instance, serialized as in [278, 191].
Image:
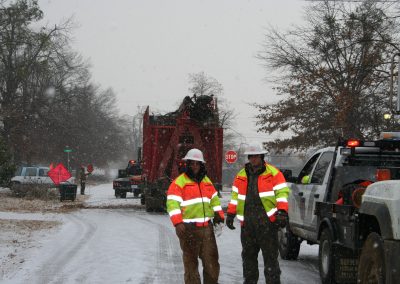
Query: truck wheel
[14, 184]
[289, 244]
[123, 195]
[371, 267]
[142, 199]
[326, 259]
[148, 207]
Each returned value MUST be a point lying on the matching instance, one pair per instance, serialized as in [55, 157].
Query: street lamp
[387, 117]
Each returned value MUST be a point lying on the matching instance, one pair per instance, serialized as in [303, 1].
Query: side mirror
[305, 180]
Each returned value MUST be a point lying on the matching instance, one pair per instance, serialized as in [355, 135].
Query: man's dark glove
[281, 218]
[217, 219]
[229, 221]
[180, 230]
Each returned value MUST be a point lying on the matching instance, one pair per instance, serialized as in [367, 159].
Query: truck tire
[123, 195]
[289, 244]
[371, 267]
[14, 184]
[326, 261]
[142, 199]
[148, 207]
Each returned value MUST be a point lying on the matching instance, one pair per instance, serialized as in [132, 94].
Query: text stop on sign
[230, 157]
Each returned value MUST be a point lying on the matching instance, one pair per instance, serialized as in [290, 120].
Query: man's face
[255, 160]
[195, 166]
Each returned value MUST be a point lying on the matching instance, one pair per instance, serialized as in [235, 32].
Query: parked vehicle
[166, 140]
[346, 198]
[35, 175]
[31, 174]
[128, 180]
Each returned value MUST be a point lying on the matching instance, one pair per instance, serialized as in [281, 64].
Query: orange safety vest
[192, 202]
[272, 189]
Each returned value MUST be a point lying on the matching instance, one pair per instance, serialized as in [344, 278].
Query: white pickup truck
[352, 210]
[31, 174]
[34, 175]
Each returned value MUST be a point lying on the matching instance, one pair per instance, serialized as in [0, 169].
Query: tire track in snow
[168, 266]
[52, 270]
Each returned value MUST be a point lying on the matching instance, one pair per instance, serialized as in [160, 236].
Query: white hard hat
[194, 155]
[255, 149]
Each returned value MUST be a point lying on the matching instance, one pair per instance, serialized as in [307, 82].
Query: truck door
[297, 198]
[31, 175]
[317, 190]
[43, 177]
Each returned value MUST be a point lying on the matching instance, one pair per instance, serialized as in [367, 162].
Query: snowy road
[132, 246]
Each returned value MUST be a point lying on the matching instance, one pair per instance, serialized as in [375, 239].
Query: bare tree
[332, 74]
[47, 99]
[202, 84]
[25, 56]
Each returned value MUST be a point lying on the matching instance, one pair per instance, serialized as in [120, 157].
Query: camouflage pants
[200, 243]
[256, 237]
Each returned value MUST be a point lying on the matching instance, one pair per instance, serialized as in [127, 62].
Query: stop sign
[90, 168]
[230, 157]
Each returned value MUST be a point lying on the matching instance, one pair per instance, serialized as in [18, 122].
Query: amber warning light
[353, 143]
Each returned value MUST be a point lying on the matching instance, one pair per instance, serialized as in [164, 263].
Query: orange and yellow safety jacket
[192, 202]
[272, 189]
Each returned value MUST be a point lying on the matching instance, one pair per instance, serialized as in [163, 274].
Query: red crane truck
[167, 138]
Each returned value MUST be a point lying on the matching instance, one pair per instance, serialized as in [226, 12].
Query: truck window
[308, 167]
[134, 170]
[321, 167]
[43, 172]
[363, 167]
[30, 172]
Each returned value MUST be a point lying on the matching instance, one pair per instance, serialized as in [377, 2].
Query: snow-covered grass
[8, 202]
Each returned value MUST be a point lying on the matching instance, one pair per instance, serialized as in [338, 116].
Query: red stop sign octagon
[230, 157]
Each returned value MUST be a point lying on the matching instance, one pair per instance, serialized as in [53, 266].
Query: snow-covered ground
[123, 245]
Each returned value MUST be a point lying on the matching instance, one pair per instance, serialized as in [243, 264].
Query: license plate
[134, 186]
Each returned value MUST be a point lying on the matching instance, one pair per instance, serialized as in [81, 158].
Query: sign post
[230, 157]
[67, 150]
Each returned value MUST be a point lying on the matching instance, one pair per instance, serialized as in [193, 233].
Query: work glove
[229, 221]
[180, 230]
[218, 223]
[217, 219]
[281, 218]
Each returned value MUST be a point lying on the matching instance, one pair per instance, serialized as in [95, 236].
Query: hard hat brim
[194, 159]
[255, 153]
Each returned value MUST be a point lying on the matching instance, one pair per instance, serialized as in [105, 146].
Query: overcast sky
[145, 49]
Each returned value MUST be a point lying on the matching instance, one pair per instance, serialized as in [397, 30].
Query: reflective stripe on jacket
[272, 189]
[191, 202]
